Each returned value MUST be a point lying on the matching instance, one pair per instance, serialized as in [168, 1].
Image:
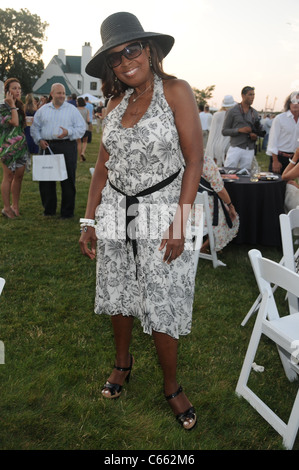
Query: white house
[70, 71]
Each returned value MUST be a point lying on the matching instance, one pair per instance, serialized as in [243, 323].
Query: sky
[226, 43]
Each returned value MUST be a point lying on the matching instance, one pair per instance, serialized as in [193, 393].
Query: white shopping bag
[49, 167]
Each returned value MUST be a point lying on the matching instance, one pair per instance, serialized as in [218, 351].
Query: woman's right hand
[88, 242]
[9, 100]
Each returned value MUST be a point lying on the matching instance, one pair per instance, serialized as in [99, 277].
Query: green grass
[58, 353]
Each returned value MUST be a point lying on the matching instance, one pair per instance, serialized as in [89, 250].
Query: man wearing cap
[239, 124]
[218, 144]
[284, 135]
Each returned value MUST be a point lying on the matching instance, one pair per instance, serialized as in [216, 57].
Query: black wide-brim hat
[120, 28]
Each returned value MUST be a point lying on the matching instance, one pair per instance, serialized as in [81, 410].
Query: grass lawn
[58, 353]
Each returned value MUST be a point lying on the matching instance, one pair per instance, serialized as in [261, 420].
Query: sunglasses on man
[132, 51]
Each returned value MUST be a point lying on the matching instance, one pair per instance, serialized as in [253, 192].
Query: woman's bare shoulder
[113, 102]
[177, 90]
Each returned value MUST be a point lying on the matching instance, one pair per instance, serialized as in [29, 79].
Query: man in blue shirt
[58, 126]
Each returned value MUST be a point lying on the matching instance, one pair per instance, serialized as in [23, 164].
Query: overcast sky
[228, 44]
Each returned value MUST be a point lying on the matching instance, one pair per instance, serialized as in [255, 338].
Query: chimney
[86, 56]
[61, 55]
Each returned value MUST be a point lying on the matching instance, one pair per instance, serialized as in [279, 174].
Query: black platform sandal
[114, 390]
[187, 419]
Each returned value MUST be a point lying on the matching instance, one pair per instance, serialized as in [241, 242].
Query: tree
[202, 96]
[21, 36]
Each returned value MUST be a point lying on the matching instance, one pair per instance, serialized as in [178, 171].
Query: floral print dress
[13, 143]
[160, 295]
[222, 233]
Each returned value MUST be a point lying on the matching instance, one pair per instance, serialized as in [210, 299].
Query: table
[258, 205]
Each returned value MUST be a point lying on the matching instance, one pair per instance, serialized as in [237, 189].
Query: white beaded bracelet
[291, 161]
[87, 222]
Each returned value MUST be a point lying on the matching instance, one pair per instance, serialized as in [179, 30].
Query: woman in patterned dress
[223, 231]
[150, 156]
[13, 147]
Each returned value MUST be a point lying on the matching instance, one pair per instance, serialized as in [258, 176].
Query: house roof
[72, 64]
[45, 89]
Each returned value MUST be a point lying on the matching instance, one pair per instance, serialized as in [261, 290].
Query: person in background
[30, 110]
[90, 108]
[58, 125]
[218, 144]
[43, 100]
[241, 124]
[99, 116]
[291, 175]
[284, 135]
[204, 124]
[151, 147]
[14, 154]
[266, 122]
[225, 220]
[72, 99]
[209, 116]
[82, 143]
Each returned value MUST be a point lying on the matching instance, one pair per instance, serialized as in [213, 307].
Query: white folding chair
[2, 282]
[283, 331]
[197, 230]
[202, 198]
[288, 225]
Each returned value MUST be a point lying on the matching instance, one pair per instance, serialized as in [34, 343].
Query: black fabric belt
[58, 141]
[205, 186]
[130, 200]
[285, 154]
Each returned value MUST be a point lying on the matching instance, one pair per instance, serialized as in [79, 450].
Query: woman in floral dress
[227, 225]
[13, 147]
[150, 157]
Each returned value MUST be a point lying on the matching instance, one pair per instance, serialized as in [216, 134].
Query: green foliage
[21, 36]
[58, 353]
[202, 96]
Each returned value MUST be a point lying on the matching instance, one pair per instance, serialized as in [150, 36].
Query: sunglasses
[132, 51]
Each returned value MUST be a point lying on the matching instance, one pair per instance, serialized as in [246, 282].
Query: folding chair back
[283, 331]
[2, 282]
[197, 229]
[203, 198]
[288, 223]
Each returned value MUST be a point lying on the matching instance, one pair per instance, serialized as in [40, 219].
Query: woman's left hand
[293, 183]
[232, 212]
[174, 242]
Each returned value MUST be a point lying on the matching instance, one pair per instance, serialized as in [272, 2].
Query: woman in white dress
[218, 144]
[151, 154]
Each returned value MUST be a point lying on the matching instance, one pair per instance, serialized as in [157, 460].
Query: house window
[79, 84]
[93, 86]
